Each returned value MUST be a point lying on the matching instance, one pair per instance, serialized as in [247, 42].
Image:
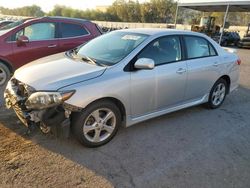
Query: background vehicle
[27, 40]
[207, 26]
[4, 23]
[143, 73]
[228, 38]
[245, 41]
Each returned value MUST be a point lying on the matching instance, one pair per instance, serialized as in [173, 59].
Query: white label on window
[130, 37]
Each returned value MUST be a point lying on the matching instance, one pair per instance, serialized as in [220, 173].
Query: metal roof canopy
[222, 6]
[235, 6]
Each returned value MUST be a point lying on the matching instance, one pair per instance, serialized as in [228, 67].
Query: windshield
[112, 47]
[12, 25]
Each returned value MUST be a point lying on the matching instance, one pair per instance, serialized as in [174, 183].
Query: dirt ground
[195, 147]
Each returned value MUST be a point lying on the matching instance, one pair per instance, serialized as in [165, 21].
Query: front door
[165, 85]
[41, 43]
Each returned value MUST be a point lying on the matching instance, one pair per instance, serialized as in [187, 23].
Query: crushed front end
[44, 109]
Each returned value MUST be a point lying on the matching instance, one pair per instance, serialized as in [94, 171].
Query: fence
[240, 29]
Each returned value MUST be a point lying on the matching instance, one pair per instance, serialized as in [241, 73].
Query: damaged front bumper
[54, 119]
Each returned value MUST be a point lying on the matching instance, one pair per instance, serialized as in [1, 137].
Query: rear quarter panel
[228, 64]
[231, 68]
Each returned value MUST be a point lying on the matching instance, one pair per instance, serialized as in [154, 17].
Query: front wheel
[4, 74]
[97, 124]
[217, 94]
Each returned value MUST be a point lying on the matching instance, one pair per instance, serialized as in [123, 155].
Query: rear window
[72, 30]
[198, 47]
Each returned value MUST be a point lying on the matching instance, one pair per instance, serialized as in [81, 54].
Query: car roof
[79, 20]
[2, 21]
[158, 31]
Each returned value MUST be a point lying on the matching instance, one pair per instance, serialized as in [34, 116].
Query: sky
[48, 5]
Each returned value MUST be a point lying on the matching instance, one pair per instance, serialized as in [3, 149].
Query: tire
[225, 43]
[217, 94]
[88, 124]
[4, 74]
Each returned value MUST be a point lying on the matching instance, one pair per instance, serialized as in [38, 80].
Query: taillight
[238, 61]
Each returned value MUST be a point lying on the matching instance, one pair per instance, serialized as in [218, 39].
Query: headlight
[41, 100]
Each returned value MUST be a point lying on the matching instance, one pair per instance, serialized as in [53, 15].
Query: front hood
[56, 71]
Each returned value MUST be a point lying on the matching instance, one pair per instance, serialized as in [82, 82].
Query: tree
[33, 10]
[153, 11]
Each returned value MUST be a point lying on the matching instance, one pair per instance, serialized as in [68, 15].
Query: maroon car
[30, 39]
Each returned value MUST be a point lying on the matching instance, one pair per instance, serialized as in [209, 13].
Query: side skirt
[131, 121]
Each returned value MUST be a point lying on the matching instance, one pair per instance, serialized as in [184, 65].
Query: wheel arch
[8, 64]
[228, 80]
[116, 101]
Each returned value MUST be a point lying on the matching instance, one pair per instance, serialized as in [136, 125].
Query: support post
[224, 22]
[176, 15]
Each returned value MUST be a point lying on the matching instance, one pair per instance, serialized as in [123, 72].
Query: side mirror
[144, 63]
[21, 40]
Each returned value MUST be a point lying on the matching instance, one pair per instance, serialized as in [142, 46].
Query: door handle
[52, 46]
[181, 70]
[216, 64]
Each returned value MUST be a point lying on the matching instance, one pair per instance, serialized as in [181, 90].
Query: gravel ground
[195, 147]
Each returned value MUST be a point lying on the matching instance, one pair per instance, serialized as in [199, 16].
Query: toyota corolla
[121, 78]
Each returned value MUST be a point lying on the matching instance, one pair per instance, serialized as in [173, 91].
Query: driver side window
[38, 31]
[163, 50]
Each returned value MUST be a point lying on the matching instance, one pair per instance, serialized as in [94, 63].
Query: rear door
[72, 35]
[171, 71]
[203, 67]
[42, 42]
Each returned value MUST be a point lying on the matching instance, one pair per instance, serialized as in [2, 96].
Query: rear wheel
[97, 124]
[4, 74]
[217, 94]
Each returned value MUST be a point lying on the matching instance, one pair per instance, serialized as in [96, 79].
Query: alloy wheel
[3, 76]
[219, 94]
[99, 125]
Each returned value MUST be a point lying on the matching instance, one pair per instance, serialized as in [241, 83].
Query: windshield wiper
[88, 59]
[75, 54]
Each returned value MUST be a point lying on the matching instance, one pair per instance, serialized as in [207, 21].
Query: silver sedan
[121, 78]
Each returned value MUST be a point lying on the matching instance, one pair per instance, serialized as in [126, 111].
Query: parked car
[26, 40]
[122, 78]
[228, 38]
[4, 23]
[245, 41]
